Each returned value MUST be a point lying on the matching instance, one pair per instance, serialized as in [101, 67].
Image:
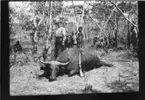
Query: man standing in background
[60, 37]
[80, 37]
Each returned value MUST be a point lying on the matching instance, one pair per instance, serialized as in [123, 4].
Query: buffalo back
[89, 58]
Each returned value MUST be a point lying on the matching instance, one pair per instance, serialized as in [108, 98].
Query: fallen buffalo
[69, 61]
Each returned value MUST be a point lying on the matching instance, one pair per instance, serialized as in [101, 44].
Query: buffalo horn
[59, 63]
[54, 62]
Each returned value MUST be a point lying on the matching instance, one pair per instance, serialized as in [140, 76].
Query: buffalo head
[51, 68]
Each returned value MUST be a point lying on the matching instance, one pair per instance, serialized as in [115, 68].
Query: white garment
[60, 32]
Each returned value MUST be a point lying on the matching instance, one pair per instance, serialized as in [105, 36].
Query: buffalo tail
[107, 64]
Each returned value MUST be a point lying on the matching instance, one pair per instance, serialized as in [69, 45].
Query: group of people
[64, 40]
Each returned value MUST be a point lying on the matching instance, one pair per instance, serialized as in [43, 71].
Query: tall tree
[128, 35]
[75, 15]
[83, 21]
[37, 20]
[50, 24]
[116, 29]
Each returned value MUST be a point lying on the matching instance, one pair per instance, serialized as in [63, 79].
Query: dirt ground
[122, 77]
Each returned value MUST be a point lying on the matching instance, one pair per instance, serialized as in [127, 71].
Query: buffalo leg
[73, 72]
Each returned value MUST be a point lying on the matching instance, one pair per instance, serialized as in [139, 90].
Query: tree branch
[101, 29]
[75, 14]
[109, 18]
[50, 18]
[83, 13]
[34, 20]
[37, 25]
[135, 12]
[98, 25]
[41, 18]
[123, 14]
[35, 36]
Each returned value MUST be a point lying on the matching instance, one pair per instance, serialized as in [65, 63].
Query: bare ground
[122, 77]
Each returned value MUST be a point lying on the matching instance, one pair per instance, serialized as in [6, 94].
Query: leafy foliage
[100, 10]
[57, 8]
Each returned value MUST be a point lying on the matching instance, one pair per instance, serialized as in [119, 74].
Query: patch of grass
[88, 89]
[127, 55]
[119, 86]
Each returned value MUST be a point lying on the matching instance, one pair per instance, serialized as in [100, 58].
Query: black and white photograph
[73, 47]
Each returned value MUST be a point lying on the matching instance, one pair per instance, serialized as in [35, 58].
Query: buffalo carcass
[69, 61]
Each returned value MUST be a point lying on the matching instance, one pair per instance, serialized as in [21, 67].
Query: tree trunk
[50, 26]
[75, 16]
[116, 39]
[116, 30]
[82, 23]
[82, 17]
[128, 36]
[20, 36]
[34, 35]
[50, 19]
